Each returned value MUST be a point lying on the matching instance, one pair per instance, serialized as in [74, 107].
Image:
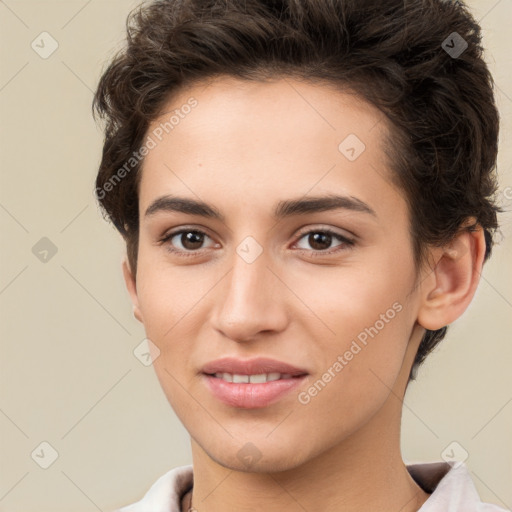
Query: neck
[365, 471]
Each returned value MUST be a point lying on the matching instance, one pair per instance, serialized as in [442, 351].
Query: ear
[449, 287]
[129, 279]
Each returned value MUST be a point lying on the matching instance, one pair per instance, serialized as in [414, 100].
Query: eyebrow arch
[285, 208]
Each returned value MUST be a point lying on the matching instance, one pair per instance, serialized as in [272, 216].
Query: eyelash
[346, 243]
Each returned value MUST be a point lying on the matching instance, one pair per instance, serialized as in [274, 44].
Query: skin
[243, 148]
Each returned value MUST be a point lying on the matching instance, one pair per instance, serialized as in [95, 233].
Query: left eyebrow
[285, 208]
[308, 205]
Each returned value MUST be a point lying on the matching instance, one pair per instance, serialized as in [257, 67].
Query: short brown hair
[419, 61]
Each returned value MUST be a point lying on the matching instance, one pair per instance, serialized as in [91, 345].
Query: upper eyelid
[300, 234]
[304, 231]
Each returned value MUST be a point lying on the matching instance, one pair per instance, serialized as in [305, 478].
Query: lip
[251, 366]
[247, 395]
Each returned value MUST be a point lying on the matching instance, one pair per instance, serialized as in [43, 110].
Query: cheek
[370, 318]
[167, 296]
[354, 302]
[359, 369]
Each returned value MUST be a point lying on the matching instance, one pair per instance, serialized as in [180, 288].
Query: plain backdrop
[69, 376]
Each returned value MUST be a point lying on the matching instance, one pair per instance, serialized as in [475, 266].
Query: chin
[263, 466]
[257, 457]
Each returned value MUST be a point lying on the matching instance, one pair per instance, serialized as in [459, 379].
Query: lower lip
[251, 396]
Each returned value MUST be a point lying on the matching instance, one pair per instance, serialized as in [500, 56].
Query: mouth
[259, 378]
[251, 384]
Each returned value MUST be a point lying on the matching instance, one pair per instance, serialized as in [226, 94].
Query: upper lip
[255, 366]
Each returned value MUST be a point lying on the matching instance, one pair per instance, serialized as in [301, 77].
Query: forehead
[226, 107]
[256, 140]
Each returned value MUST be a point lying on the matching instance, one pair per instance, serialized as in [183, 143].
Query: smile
[252, 379]
[251, 383]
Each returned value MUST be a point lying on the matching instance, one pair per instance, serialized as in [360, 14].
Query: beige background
[68, 373]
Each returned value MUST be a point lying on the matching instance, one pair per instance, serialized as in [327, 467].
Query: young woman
[305, 191]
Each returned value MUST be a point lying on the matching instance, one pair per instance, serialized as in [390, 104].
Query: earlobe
[129, 279]
[449, 289]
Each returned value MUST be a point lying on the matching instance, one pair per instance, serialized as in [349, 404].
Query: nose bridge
[249, 299]
[249, 285]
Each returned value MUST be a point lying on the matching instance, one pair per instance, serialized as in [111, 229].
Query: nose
[250, 301]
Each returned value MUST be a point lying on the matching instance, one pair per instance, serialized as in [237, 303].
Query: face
[298, 278]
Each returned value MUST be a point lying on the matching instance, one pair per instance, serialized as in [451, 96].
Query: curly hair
[419, 61]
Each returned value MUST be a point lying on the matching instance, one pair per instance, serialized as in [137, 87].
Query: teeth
[224, 376]
[260, 378]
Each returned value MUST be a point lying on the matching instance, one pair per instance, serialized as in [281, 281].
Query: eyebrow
[284, 208]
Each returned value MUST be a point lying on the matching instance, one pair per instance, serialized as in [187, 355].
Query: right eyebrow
[184, 205]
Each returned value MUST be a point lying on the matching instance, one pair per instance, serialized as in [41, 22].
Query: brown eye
[320, 241]
[191, 240]
[185, 241]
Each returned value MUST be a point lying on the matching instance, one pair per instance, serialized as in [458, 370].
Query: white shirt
[450, 485]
